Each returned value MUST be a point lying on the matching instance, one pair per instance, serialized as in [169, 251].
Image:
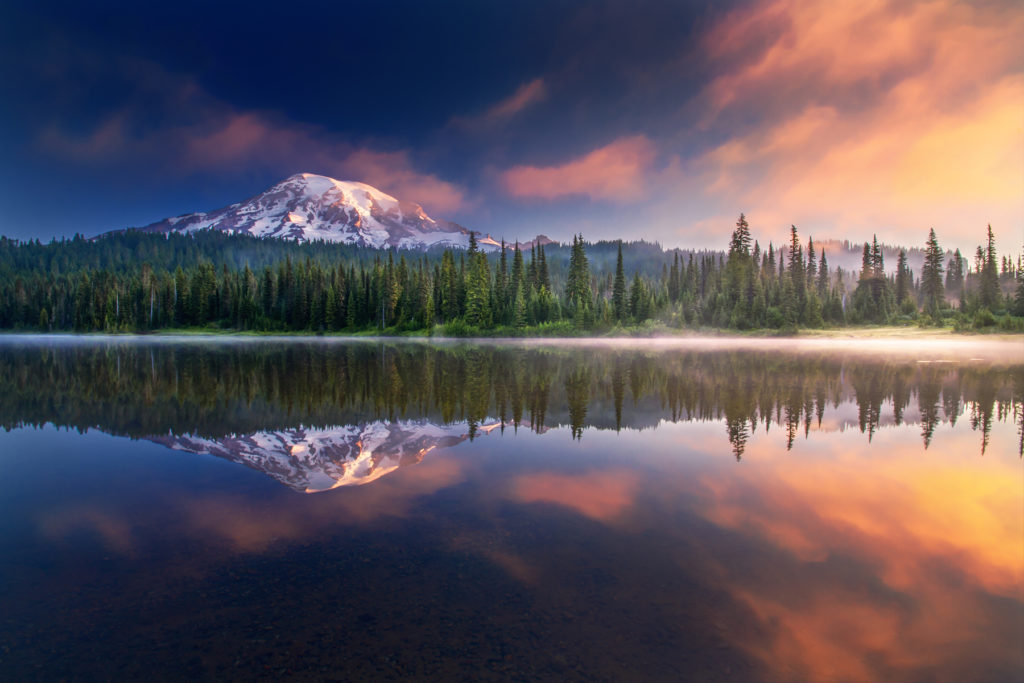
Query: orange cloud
[615, 172]
[598, 495]
[901, 516]
[875, 115]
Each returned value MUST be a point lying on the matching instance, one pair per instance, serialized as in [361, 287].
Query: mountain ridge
[306, 207]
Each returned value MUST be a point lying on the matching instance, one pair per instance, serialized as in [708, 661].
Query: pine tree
[933, 294]
[902, 278]
[519, 307]
[637, 299]
[531, 270]
[449, 288]
[619, 288]
[478, 310]
[989, 294]
[577, 289]
[871, 298]
[823, 278]
[673, 278]
[955, 273]
[812, 265]
[502, 291]
[797, 273]
[1018, 300]
[543, 277]
[738, 270]
[740, 242]
[518, 272]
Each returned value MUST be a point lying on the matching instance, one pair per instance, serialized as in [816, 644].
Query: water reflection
[533, 513]
[274, 405]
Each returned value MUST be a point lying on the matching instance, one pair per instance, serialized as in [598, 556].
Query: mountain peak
[306, 207]
[320, 184]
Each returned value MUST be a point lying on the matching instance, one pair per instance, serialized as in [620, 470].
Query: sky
[632, 119]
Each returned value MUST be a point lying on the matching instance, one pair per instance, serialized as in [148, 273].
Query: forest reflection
[213, 391]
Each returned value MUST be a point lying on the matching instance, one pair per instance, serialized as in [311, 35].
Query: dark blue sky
[654, 119]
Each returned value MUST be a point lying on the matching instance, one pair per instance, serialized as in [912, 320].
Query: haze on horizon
[641, 119]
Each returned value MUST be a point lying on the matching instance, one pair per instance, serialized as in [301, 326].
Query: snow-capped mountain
[314, 460]
[309, 207]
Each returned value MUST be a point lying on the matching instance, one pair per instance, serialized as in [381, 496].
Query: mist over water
[712, 509]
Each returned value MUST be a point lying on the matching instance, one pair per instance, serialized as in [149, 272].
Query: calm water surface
[323, 509]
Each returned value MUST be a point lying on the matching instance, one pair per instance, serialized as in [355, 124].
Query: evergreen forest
[211, 281]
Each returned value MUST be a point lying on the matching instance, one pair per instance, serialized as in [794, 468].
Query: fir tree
[933, 294]
[812, 264]
[543, 278]
[797, 270]
[619, 288]
[902, 278]
[989, 295]
[823, 274]
[1018, 301]
[955, 273]
[577, 289]
[478, 310]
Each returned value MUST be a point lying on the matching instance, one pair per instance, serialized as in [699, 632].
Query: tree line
[135, 282]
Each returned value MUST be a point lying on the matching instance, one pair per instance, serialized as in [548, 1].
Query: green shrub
[1011, 323]
[983, 319]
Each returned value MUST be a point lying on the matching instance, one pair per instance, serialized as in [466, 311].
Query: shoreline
[920, 344]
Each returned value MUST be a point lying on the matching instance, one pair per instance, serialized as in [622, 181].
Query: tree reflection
[216, 390]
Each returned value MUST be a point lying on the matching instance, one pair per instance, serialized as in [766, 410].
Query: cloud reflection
[600, 495]
[244, 524]
[894, 565]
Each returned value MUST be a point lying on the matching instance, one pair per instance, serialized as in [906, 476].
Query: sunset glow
[845, 119]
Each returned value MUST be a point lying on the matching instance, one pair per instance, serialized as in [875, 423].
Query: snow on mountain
[309, 207]
[314, 460]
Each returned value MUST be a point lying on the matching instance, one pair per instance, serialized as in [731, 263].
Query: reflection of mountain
[314, 460]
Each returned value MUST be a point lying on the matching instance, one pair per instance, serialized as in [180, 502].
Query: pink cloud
[526, 95]
[874, 116]
[211, 136]
[393, 172]
[616, 172]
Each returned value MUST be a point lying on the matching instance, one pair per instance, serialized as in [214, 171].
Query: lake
[317, 509]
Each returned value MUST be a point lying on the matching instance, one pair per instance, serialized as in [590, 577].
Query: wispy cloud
[617, 172]
[526, 95]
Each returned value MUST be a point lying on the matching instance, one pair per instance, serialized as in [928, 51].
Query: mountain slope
[309, 207]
